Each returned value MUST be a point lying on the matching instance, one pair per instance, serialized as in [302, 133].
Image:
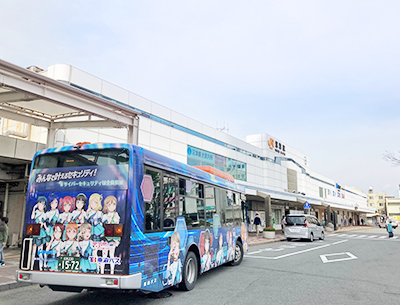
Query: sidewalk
[7, 272]
[12, 255]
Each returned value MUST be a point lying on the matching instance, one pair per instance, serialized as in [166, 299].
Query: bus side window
[210, 204]
[170, 201]
[237, 210]
[221, 200]
[191, 206]
[153, 208]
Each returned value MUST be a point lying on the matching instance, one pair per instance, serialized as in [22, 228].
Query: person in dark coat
[257, 222]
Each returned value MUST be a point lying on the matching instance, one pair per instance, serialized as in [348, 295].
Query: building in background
[393, 207]
[277, 177]
[377, 201]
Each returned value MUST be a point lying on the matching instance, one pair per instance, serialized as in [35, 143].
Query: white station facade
[277, 178]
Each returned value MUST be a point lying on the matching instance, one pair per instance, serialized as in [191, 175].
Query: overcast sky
[320, 76]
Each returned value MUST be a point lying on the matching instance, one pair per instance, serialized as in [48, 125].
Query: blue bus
[118, 216]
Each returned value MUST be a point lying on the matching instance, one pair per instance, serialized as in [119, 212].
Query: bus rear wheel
[238, 254]
[189, 272]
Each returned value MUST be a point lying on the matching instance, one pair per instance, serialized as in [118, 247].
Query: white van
[303, 227]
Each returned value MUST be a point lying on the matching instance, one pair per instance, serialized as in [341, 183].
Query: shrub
[269, 229]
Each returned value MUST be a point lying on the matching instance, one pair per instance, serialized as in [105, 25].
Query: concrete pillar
[328, 214]
[51, 136]
[268, 211]
[5, 207]
[133, 132]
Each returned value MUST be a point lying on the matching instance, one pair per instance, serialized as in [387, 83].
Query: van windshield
[298, 220]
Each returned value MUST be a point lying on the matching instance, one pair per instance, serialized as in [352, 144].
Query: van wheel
[189, 272]
[288, 239]
[238, 254]
[322, 236]
[312, 237]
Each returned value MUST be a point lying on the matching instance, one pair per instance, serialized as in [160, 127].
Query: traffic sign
[307, 205]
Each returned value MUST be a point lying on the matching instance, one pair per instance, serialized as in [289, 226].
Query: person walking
[257, 222]
[2, 224]
[3, 240]
[389, 228]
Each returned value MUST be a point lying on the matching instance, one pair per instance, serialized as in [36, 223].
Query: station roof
[29, 97]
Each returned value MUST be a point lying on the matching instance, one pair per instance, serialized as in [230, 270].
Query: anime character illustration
[244, 236]
[174, 265]
[86, 248]
[94, 216]
[220, 259]
[231, 250]
[53, 214]
[39, 216]
[78, 215]
[110, 216]
[66, 206]
[54, 246]
[70, 246]
[205, 252]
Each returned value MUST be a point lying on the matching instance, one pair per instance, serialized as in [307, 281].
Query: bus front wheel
[189, 272]
[238, 254]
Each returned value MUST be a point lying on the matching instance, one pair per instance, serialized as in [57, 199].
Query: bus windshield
[78, 158]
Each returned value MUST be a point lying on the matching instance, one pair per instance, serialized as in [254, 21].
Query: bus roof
[154, 159]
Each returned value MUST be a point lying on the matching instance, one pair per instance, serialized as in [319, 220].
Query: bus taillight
[113, 230]
[32, 229]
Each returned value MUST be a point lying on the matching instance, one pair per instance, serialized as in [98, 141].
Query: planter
[269, 234]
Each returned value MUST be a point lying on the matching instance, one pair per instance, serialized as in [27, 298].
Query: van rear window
[298, 220]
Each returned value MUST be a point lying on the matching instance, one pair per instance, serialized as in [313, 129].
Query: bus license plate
[68, 263]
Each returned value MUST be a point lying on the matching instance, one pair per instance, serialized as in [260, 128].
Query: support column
[133, 132]
[5, 207]
[51, 136]
[268, 211]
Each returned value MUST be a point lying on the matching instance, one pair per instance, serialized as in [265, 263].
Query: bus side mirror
[169, 241]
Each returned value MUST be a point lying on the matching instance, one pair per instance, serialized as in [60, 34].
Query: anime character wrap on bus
[72, 206]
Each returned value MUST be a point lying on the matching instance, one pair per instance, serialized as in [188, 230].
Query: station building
[277, 178]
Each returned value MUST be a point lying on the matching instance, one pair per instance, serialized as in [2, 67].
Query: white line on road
[339, 242]
[325, 259]
[372, 236]
[295, 253]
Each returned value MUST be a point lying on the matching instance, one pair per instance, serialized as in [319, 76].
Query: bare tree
[390, 157]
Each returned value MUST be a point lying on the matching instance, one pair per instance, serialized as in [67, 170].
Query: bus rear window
[94, 157]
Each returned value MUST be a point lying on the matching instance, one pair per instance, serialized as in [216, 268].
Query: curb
[13, 285]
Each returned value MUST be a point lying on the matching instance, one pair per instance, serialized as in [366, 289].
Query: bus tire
[238, 254]
[189, 272]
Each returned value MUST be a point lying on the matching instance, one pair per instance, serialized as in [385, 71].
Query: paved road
[356, 267]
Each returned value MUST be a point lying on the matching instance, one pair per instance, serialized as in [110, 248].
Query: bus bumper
[110, 281]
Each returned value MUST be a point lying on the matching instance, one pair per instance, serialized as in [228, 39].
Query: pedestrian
[257, 222]
[283, 222]
[2, 224]
[3, 240]
[389, 228]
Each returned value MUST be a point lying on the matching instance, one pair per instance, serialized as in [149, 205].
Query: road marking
[383, 237]
[339, 242]
[325, 259]
[361, 236]
[372, 236]
[287, 246]
[353, 235]
[295, 253]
